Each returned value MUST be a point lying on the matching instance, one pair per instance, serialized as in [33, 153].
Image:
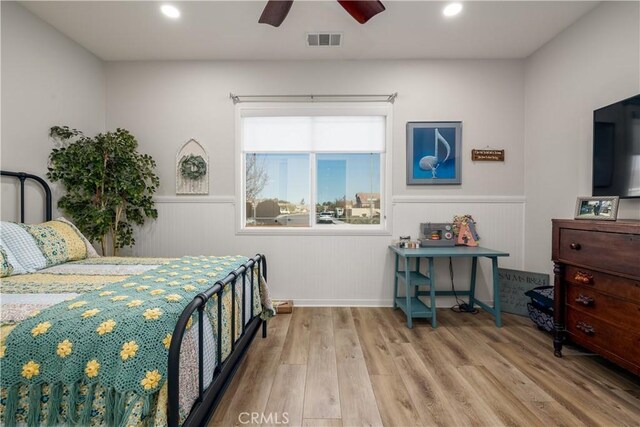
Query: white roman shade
[320, 134]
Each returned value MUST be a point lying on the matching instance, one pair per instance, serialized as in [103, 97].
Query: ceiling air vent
[324, 39]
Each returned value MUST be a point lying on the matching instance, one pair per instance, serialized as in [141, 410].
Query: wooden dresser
[597, 288]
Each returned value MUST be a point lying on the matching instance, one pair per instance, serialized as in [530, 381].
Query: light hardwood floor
[362, 366]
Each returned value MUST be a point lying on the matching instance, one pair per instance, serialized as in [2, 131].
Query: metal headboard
[23, 176]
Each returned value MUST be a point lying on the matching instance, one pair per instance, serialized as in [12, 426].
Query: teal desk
[414, 307]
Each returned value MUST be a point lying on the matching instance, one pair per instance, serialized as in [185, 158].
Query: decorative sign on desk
[513, 285]
[487, 155]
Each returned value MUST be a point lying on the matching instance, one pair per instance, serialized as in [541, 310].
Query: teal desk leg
[472, 288]
[496, 292]
[407, 281]
[432, 293]
[395, 282]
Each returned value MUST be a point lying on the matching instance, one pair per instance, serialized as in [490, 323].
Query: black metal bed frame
[209, 397]
[23, 176]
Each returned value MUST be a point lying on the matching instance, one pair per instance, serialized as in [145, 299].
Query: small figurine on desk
[465, 229]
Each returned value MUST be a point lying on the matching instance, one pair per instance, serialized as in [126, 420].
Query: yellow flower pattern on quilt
[64, 348]
[167, 341]
[92, 368]
[30, 369]
[152, 313]
[40, 328]
[129, 350]
[135, 303]
[77, 304]
[90, 313]
[106, 327]
[151, 380]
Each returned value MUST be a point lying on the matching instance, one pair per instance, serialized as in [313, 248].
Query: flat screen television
[616, 149]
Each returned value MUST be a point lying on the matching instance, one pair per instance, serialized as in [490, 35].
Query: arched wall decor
[192, 169]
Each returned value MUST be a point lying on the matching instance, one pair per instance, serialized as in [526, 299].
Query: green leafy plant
[109, 185]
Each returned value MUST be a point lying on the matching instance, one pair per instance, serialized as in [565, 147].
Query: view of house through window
[313, 171]
[348, 188]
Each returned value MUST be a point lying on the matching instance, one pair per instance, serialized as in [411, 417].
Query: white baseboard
[342, 303]
[443, 302]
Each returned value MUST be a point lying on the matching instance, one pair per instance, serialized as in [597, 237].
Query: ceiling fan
[362, 10]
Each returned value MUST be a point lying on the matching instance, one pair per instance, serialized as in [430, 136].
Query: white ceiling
[115, 30]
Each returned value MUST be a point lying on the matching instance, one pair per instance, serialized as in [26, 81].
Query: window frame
[278, 109]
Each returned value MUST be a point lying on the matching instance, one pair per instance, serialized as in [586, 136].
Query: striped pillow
[58, 241]
[23, 247]
[91, 251]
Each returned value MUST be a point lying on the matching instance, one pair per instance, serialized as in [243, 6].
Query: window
[313, 171]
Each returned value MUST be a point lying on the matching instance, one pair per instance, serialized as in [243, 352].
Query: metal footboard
[209, 398]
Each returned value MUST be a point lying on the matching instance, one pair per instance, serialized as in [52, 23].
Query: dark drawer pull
[575, 246]
[582, 277]
[586, 328]
[585, 300]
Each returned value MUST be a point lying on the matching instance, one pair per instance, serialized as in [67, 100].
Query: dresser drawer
[616, 252]
[602, 337]
[614, 310]
[602, 282]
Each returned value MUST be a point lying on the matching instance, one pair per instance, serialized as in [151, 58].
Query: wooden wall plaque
[487, 155]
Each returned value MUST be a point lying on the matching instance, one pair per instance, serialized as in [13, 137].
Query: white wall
[47, 80]
[593, 63]
[166, 103]
[537, 109]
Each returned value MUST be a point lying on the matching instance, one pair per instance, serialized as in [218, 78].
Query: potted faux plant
[109, 185]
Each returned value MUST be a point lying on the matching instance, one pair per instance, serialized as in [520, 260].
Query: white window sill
[315, 231]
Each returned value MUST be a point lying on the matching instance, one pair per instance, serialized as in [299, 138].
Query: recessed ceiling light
[170, 11]
[452, 9]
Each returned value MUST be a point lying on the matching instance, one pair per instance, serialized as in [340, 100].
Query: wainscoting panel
[334, 270]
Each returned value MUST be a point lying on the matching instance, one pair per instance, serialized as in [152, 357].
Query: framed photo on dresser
[601, 208]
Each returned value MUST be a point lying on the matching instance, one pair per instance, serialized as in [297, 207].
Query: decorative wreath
[193, 167]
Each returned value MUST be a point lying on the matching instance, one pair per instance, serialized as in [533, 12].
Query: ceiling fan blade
[275, 11]
[362, 10]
